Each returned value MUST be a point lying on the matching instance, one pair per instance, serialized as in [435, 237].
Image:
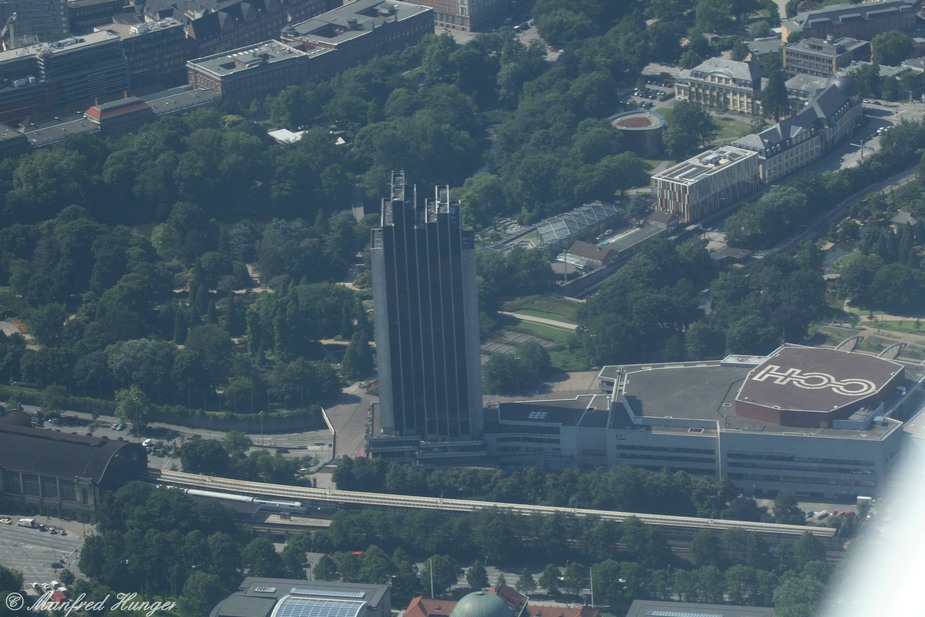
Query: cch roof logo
[815, 381]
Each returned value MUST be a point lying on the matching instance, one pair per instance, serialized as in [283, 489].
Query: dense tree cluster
[629, 561]
[626, 489]
[791, 206]
[641, 313]
[521, 371]
[230, 458]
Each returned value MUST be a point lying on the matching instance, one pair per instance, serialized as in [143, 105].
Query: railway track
[322, 497]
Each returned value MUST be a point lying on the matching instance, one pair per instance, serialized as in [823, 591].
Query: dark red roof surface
[814, 379]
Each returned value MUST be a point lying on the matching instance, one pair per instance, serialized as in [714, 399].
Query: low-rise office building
[37, 21]
[721, 84]
[861, 21]
[362, 29]
[706, 183]
[216, 25]
[42, 79]
[84, 15]
[313, 50]
[815, 422]
[823, 57]
[251, 72]
[156, 51]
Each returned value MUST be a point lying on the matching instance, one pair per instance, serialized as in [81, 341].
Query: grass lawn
[549, 307]
[561, 356]
[730, 130]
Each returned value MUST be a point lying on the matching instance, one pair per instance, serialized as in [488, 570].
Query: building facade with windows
[251, 72]
[50, 78]
[37, 21]
[63, 474]
[721, 84]
[426, 317]
[861, 21]
[156, 51]
[815, 422]
[797, 141]
[706, 183]
[362, 29]
[823, 57]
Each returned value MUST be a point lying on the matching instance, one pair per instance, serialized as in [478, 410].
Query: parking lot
[36, 553]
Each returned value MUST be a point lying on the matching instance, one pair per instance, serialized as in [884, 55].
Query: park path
[542, 320]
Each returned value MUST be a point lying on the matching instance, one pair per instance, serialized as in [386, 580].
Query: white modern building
[816, 422]
[706, 183]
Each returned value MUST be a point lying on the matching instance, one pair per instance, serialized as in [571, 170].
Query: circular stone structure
[641, 130]
[481, 604]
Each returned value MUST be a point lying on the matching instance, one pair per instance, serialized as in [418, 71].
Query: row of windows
[662, 457]
[819, 469]
[797, 459]
[28, 484]
[706, 451]
[808, 479]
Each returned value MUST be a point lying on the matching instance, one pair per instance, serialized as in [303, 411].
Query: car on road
[6, 521]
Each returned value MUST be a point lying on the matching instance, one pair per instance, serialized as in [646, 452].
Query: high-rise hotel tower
[426, 317]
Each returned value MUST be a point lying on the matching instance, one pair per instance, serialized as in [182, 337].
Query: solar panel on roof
[331, 593]
[314, 607]
[680, 614]
[264, 589]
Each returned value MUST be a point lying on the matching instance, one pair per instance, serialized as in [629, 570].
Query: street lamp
[261, 426]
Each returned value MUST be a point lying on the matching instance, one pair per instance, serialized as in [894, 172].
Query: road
[349, 418]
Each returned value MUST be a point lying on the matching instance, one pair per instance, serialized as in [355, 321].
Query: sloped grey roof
[837, 13]
[54, 453]
[734, 69]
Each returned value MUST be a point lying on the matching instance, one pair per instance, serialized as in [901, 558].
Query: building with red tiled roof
[124, 114]
[429, 607]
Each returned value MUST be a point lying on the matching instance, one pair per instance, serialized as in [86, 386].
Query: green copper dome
[481, 604]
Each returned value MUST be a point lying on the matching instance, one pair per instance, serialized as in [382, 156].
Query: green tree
[549, 579]
[690, 128]
[891, 48]
[132, 406]
[774, 99]
[205, 456]
[201, 593]
[237, 443]
[525, 584]
[575, 578]
[477, 576]
[358, 357]
[442, 572]
[259, 558]
[375, 566]
[325, 569]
